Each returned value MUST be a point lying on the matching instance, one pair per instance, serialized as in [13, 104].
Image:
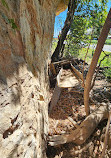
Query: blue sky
[60, 19]
[59, 22]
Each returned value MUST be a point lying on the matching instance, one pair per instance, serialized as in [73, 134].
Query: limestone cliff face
[62, 6]
[23, 76]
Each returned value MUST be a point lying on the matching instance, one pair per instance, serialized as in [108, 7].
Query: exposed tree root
[83, 132]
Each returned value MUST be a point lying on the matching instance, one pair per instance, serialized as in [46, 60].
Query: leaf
[4, 3]
[14, 26]
[11, 21]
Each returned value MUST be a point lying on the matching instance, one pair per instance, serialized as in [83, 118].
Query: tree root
[83, 132]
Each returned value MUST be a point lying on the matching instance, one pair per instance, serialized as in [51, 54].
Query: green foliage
[77, 36]
[97, 19]
[82, 53]
[107, 42]
[4, 3]
[7, 20]
[89, 17]
[13, 25]
[54, 44]
[107, 61]
[107, 73]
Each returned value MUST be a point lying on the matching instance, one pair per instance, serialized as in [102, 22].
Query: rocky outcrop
[23, 76]
[62, 6]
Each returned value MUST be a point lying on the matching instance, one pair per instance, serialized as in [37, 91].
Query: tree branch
[71, 9]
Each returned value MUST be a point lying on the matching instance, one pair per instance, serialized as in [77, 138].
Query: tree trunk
[71, 8]
[99, 47]
[23, 76]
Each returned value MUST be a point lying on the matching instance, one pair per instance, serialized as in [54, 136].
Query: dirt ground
[70, 112]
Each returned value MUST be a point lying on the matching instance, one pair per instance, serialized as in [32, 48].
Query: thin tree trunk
[71, 9]
[99, 47]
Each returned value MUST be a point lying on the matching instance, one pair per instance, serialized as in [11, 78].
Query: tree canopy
[88, 20]
[87, 15]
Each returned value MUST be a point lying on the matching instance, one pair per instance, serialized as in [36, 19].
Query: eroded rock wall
[23, 76]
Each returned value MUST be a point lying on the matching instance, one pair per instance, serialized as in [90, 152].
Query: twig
[78, 66]
[77, 152]
[106, 135]
[71, 120]
[86, 54]
[94, 78]
[77, 92]
[98, 69]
